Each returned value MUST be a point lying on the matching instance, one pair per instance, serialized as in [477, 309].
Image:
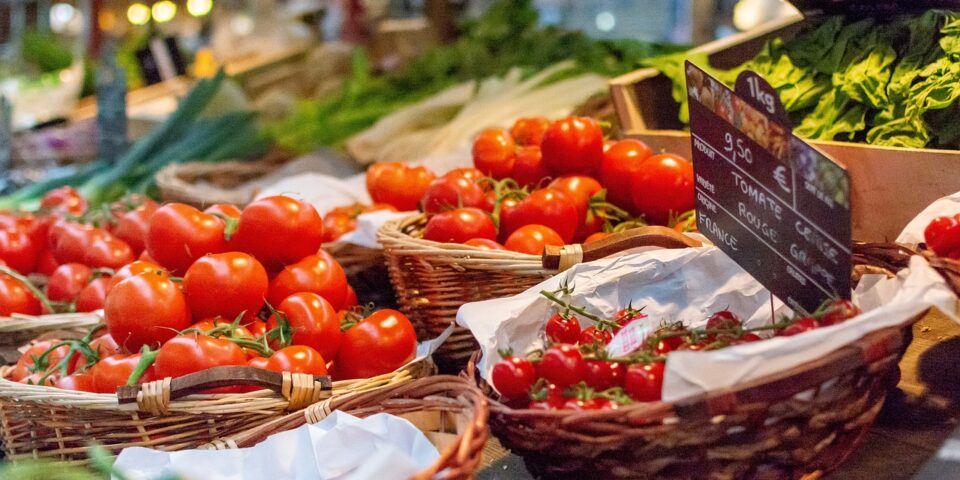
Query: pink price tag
[629, 338]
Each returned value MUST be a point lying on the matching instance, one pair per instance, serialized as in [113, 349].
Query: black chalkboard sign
[776, 205]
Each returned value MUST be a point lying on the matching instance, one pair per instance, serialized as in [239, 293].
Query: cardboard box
[889, 185]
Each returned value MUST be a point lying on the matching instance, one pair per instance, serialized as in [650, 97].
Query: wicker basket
[449, 410]
[46, 422]
[20, 329]
[202, 184]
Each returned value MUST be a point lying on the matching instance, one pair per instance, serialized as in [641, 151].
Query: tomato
[662, 187]
[104, 345]
[563, 329]
[548, 207]
[573, 145]
[470, 173]
[627, 315]
[224, 209]
[92, 297]
[620, 163]
[528, 169]
[460, 225]
[95, 247]
[592, 335]
[270, 222]
[596, 236]
[257, 328]
[191, 353]
[208, 325]
[132, 226]
[802, 325]
[135, 268]
[225, 285]
[15, 297]
[66, 282]
[46, 264]
[319, 273]
[336, 224]
[585, 404]
[379, 344]
[644, 383]
[484, 243]
[449, 193]
[146, 309]
[494, 153]
[64, 199]
[549, 397]
[562, 365]
[18, 250]
[580, 188]
[723, 320]
[839, 311]
[263, 363]
[529, 130]
[663, 344]
[36, 378]
[398, 184]
[601, 374]
[313, 322]
[78, 382]
[297, 359]
[513, 376]
[31, 354]
[532, 239]
[942, 235]
[747, 338]
[113, 372]
[180, 234]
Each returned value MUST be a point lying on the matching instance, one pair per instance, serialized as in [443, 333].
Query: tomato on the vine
[563, 329]
[602, 374]
[573, 145]
[532, 239]
[379, 344]
[92, 296]
[279, 220]
[113, 371]
[146, 309]
[494, 153]
[644, 383]
[18, 250]
[550, 397]
[548, 207]
[460, 225]
[224, 209]
[67, 281]
[65, 200]
[723, 320]
[135, 268]
[398, 184]
[132, 225]
[620, 163]
[78, 382]
[312, 320]
[593, 335]
[319, 273]
[15, 297]
[225, 285]
[513, 376]
[839, 311]
[942, 235]
[662, 187]
[802, 325]
[191, 353]
[104, 346]
[46, 264]
[484, 243]
[452, 192]
[528, 169]
[180, 234]
[297, 359]
[562, 365]
[529, 130]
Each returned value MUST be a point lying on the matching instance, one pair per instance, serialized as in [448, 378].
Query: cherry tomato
[580, 188]
[596, 236]
[585, 404]
[93, 296]
[667, 344]
[449, 193]
[513, 377]
[573, 145]
[282, 220]
[18, 250]
[484, 243]
[225, 285]
[104, 345]
[146, 309]
[532, 239]
[135, 268]
[398, 184]
[942, 235]
[547, 398]
[46, 264]
[66, 282]
[257, 328]
[15, 297]
[132, 226]
[563, 329]
[297, 359]
[644, 383]
[592, 335]
[379, 344]
[191, 353]
[65, 200]
[31, 354]
[336, 224]
[601, 374]
[494, 153]
[263, 363]
[562, 365]
[180, 234]
[113, 371]
[748, 337]
[319, 273]
[627, 315]
[78, 382]
[528, 169]
[469, 173]
[663, 186]
[460, 225]
[620, 163]
[313, 322]
[802, 325]
[223, 209]
[723, 320]
[529, 130]
[548, 207]
[839, 311]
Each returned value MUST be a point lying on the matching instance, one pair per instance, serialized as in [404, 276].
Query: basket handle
[299, 388]
[562, 258]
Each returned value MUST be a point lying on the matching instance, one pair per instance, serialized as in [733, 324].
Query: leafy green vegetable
[44, 50]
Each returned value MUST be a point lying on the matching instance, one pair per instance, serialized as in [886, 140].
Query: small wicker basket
[202, 184]
[449, 410]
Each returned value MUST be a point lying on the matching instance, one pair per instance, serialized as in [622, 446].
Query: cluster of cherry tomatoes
[576, 372]
[942, 235]
[222, 286]
[542, 183]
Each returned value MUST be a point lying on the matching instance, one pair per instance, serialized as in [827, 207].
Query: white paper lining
[947, 206]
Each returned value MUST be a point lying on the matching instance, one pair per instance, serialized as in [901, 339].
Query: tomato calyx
[230, 225]
[351, 317]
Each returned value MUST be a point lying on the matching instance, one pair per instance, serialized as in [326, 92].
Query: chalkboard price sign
[776, 205]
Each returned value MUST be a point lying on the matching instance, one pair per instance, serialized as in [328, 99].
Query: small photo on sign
[820, 177]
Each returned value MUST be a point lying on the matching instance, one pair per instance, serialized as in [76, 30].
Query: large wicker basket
[45, 422]
[449, 410]
[19, 329]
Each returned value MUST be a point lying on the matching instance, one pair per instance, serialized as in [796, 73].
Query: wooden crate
[889, 185]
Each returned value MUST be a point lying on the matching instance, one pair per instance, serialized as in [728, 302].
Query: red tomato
[180, 234]
[379, 344]
[573, 145]
[398, 184]
[724, 320]
[18, 250]
[145, 310]
[225, 285]
[494, 153]
[484, 243]
[30, 355]
[529, 170]
[548, 398]
[67, 281]
[644, 383]
[663, 186]
[529, 130]
[93, 295]
[562, 365]
[132, 226]
[46, 264]
[449, 193]
[596, 236]
[601, 374]
[95, 247]
[272, 221]
[747, 338]
[15, 297]
[297, 359]
[135, 268]
[548, 207]
[532, 239]
[208, 325]
[513, 377]
[627, 315]
[563, 329]
[586, 404]
[64, 199]
[469, 173]
[593, 335]
[104, 345]
[78, 382]
[313, 322]
[337, 224]
[113, 371]
[460, 225]
[839, 311]
[350, 300]
[580, 188]
[223, 209]
[802, 325]
[319, 273]
[620, 163]
[191, 353]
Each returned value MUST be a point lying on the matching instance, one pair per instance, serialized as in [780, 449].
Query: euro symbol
[780, 175]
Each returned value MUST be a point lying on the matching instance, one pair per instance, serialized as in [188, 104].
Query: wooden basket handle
[562, 258]
[300, 389]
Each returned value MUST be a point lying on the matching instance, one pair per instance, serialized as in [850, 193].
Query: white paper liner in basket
[688, 285]
[947, 206]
